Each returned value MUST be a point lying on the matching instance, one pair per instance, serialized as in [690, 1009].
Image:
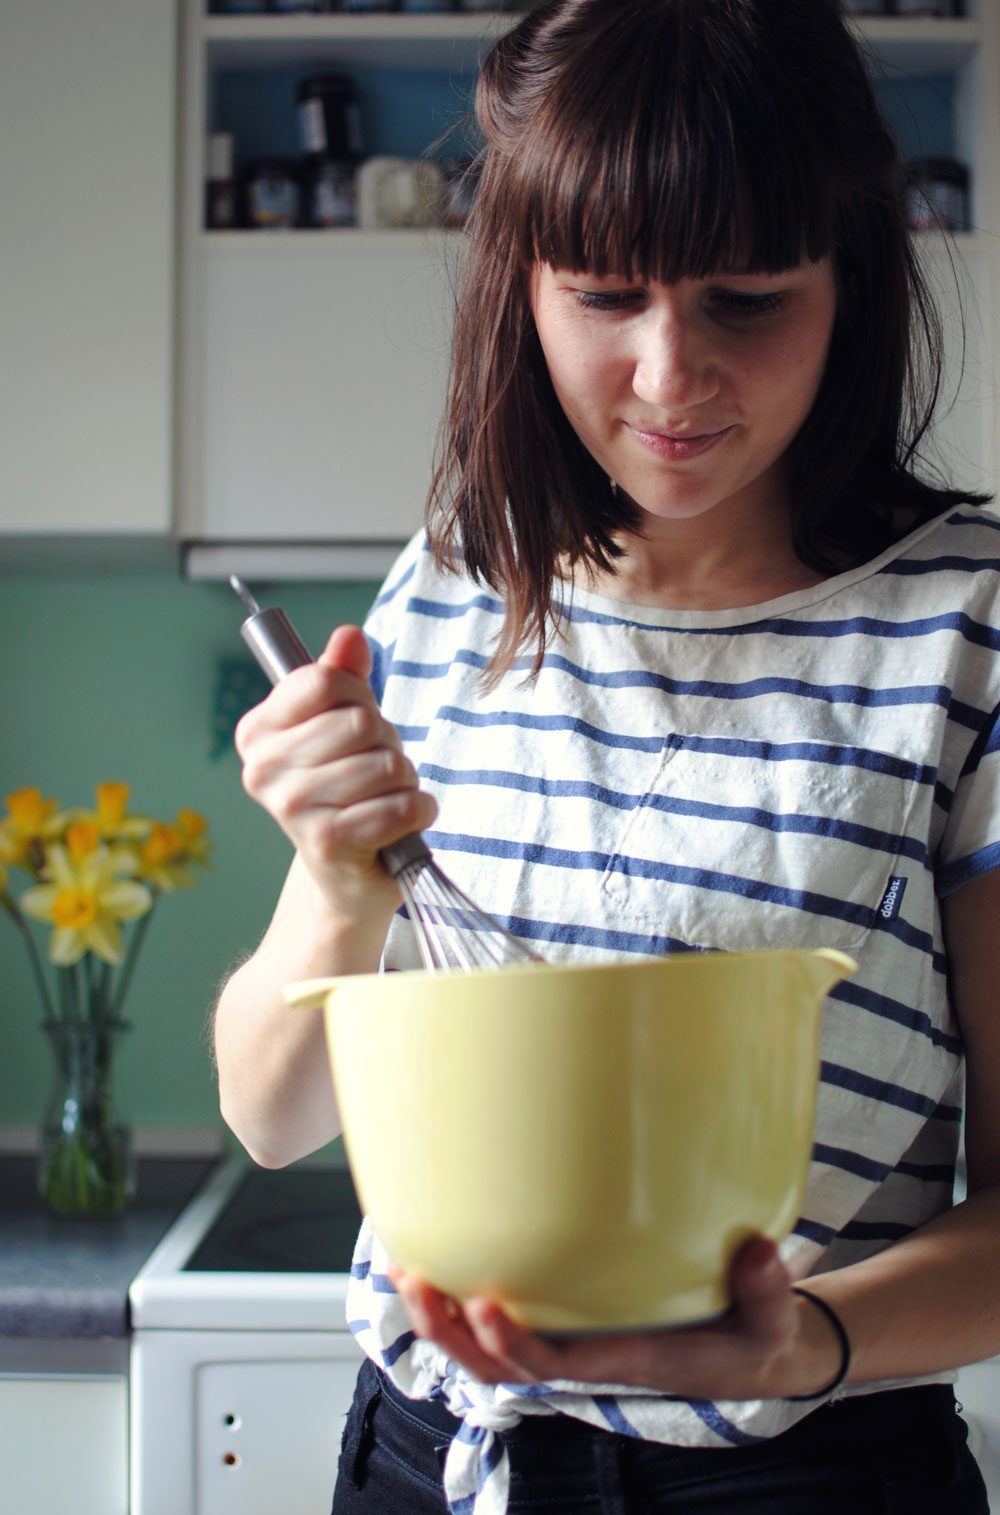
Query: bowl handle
[309, 994]
[828, 966]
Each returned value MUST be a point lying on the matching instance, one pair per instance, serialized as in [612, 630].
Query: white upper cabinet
[324, 376]
[87, 189]
[314, 362]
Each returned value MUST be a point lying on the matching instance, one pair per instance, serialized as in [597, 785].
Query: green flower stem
[131, 957]
[87, 962]
[68, 979]
[97, 975]
[100, 1007]
[33, 954]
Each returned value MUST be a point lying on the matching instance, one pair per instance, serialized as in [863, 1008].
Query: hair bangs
[681, 171]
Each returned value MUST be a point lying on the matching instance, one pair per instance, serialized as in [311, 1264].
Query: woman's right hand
[321, 759]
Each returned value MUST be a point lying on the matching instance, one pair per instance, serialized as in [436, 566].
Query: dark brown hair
[669, 139]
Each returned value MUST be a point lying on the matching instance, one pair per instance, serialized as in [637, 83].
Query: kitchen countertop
[68, 1277]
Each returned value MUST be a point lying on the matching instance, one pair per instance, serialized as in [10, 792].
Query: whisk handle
[278, 649]
[399, 855]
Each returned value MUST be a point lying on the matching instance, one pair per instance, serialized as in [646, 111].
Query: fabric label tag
[892, 899]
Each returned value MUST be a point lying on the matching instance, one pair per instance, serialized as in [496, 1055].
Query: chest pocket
[736, 851]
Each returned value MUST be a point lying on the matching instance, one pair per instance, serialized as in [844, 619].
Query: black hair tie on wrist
[842, 1337]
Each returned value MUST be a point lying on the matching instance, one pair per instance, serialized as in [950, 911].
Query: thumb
[761, 1288]
[347, 650]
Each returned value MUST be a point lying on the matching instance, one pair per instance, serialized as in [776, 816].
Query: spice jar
[936, 195]
[220, 187]
[331, 192]
[270, 194]
[329, 117]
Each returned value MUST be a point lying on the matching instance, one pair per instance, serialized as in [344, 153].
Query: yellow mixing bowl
[588, 1144]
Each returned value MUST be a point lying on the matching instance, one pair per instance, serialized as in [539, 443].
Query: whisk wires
[452, 932]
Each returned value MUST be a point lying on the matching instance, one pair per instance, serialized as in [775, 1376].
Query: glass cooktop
[286, 1220]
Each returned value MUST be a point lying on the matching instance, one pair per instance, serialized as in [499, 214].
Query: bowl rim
[313, 993]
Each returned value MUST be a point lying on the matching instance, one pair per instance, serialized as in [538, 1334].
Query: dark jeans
[902, 1452]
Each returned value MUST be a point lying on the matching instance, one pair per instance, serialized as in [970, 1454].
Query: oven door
[238, 1422]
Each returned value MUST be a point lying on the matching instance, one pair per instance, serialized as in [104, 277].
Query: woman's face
[688, 394]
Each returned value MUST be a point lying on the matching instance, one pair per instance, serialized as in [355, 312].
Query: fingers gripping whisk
[451, 931]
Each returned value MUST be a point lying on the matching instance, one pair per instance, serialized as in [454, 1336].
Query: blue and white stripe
[819, 770]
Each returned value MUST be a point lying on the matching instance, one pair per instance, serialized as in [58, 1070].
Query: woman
[689, 658]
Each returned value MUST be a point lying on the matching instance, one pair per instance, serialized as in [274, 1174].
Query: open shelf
[402, 40]
[396, 40]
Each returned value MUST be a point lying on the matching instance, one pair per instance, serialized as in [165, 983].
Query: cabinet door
[63, 1444]
[323, 377]
[87, 101]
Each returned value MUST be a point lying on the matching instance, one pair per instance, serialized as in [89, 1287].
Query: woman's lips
[679, 446]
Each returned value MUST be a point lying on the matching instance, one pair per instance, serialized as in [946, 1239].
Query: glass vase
[85, 1160]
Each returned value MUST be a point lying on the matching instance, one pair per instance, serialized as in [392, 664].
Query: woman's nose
[674, 365]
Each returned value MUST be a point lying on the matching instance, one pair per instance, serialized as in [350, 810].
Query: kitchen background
[182, 397]
[120, 675]
[115, 661]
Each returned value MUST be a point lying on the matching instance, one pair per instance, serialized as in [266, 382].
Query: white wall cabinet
[324, 373]
[315, 361]
[87, 170]
[311, 365]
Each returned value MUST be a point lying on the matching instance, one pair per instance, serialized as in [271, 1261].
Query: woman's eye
[734, 303]
[607, 299]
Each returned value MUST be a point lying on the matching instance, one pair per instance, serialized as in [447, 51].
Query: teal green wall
[114, 676]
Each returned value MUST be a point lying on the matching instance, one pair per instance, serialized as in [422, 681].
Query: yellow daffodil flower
[30, 819]
[163, 859]
[193, 827]
[82, 838]
[110, 815]
[85, 902]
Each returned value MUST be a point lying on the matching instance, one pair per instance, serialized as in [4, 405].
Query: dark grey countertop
[68, 1277]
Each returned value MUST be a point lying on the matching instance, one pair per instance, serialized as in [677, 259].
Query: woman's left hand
[765, 1346]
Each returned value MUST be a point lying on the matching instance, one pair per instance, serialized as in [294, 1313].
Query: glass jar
[331, 193]
[329, 117]
[936, 195]
[270, 195]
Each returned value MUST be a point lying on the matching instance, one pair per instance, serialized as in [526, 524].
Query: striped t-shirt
[816, 771]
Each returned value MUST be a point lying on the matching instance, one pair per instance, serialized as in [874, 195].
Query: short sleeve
[970, 846]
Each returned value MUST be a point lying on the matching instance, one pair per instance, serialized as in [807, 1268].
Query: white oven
[242, 1366]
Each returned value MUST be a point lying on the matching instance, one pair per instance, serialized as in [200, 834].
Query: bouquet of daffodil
[91, 872]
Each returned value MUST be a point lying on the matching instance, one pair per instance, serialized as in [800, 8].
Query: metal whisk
[451, 930]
